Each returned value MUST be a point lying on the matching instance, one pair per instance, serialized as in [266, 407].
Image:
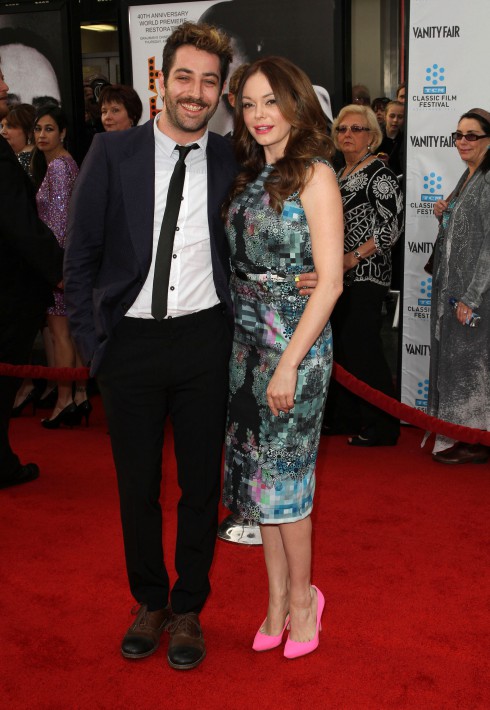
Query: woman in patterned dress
[54, 172]
[284, 218]
[373, 219]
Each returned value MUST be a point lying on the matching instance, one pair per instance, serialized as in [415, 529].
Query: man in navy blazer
[149, 368]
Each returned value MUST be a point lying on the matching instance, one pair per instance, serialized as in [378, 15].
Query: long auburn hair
[308, 139]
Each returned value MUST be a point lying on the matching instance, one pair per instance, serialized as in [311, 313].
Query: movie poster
[40, 57]
[31, 53]
[308, 36]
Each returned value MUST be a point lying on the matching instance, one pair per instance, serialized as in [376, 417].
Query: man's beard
[186, 123]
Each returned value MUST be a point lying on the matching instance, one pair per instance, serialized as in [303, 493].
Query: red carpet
[401, 552]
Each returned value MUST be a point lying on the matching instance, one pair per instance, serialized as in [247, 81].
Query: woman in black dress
[373, 218]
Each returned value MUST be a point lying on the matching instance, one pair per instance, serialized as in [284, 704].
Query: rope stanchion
[361, 389]
[406, 413]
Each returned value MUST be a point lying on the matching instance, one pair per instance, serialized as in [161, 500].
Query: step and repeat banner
[448, 74]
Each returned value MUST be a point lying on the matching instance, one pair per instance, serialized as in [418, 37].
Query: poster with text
[309, 36]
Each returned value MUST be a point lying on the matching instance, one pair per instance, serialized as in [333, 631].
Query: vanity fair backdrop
[448, 69]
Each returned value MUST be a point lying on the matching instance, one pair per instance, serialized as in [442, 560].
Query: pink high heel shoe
[295, 649]
[264, 642]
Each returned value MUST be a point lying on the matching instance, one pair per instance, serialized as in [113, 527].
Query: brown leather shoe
[186, 649]
[463, 453]
[143, 637]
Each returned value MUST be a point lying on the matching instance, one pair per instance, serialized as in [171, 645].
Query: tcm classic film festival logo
[434, 89]
[431, 190]
[420, 307]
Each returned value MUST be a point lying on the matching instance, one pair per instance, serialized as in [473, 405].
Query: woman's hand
[350, 261]
[305, 283]
[439, 207]
[281, 389]
[463, 312]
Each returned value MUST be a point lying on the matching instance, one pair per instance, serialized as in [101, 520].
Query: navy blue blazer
[110, 231]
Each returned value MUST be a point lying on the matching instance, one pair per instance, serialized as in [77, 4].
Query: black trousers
[16, 341]
[151, 370]
[356, 325]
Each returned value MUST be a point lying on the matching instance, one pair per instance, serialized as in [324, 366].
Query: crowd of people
[203, 278]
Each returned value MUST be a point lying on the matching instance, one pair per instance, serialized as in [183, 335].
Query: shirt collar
[167, 144]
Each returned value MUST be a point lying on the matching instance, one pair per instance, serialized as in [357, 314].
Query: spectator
[120, 107]
[360, 95]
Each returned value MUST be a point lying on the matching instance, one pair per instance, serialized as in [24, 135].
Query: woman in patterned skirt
[284, 219]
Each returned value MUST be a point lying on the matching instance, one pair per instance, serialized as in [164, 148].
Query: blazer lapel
[137, 172]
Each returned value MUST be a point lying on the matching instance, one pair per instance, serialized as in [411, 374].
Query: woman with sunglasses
[373, 218]
[459, 384]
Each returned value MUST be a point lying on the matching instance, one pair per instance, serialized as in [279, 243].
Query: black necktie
[167, 234]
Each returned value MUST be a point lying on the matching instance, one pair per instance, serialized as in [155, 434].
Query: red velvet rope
[409, 414]
[387, 404]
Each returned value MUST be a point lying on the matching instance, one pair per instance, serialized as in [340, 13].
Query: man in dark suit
[30, 267]
[149, 368]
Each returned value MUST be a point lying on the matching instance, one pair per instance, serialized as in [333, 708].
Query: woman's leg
[364, 354]
[24, 391]
[49, 352]
[296, 539]
[64, 356]
[278, 574]
[80, 385]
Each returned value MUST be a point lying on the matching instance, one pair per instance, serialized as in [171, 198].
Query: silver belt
[267, 276]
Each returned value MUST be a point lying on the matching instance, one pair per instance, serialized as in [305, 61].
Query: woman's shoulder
[378, 168]
[320, 160]
[63, 165]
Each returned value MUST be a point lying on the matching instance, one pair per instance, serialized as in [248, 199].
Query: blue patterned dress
[270, 461]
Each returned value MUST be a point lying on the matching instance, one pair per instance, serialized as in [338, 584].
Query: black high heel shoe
[67, 416]
[83, 411]
[31, 399]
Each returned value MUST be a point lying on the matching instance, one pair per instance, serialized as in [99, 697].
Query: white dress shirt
[191, 285]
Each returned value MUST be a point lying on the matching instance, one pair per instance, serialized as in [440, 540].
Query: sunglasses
[471, 137]
[352, 129]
